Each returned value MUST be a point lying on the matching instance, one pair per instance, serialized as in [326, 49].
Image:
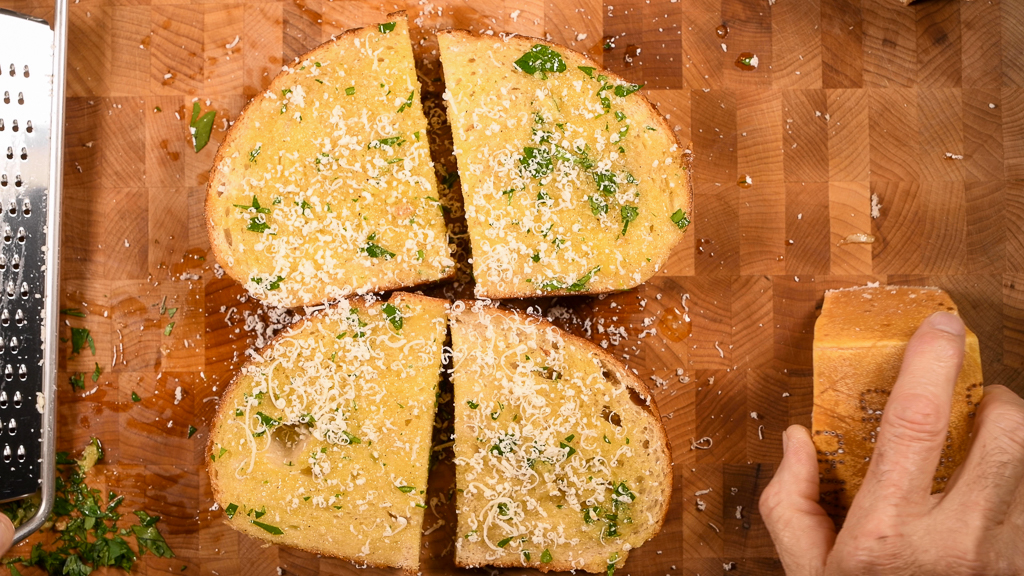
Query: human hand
[6, 533]
[895, 526]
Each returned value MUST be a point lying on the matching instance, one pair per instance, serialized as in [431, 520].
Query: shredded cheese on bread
[324, 187]
[322, 442]
[562, 460]
[573, 183]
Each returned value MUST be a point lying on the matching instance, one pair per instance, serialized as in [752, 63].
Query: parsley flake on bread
[324, 186]
[573, 182]
[562, 462]
[322, 441]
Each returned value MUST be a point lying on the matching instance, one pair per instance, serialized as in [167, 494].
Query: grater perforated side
[31, 139]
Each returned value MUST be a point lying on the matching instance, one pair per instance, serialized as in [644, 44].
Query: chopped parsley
[73, 312]
[605, 181]
[536, 162]
[350, 90]
[201, 127]
[230, 510]
[588, 70]
[136, 397]
[374, 250]
[545, 556]
[628, 213]
[97, 372]
[269, 528]
[386, 27]
[393, 315]
[351, 438]
[254, 153]
[391, 142]
[680, 220]
[405, 489]
[472, 405]
[407, 103]
[576, 286]
[541, 59]
[504, 542]
[79, 338]
[77, 381]
[273, 284]
[192, 431]
[623, 90]
[168, 329]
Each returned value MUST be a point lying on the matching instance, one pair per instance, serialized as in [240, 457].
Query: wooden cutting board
[918, 109]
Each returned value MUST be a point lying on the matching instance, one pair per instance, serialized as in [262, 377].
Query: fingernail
[785, 441]
[947, 322]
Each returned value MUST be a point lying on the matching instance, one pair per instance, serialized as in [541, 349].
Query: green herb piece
[508, 195]
[407, 103]
[545, 556]
[168, 329]
[472, 405]
[605, 181]
[374, 250]
[588, 70]
[592, 514]
[73, 312]
[598, 205]
[77, 381]
[350, 90]
[606, 440]
[272, 529]
[393, 315]
[619, 116]
[628, 213]
[541, 59]
[571, 449]
[230, 510]
[506, 444]
[535, 257]
[526, 555]
[576, 286]
[273, 284]
[158, 109]
[623, 90]
[201, 127]
[254, 153]
[258, 224]
[386, 27]
[611, 563]
[419, 255]
[391, 142]
[136, 397]
[267, 421]
[352, 439]
[536, 162]
[680, 220]
[96, 372]
[79, 338]
[504, 542]
[192, 430]
[405, 489]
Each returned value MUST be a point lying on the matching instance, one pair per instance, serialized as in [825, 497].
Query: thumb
[6, 533]
[801, 529]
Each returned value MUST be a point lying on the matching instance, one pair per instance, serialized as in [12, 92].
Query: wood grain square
[762, 240]
[1012, 42]
[849, 207]
[983, 134]
[890, 44]
[849, 151]
[168, 227]
[1014, 214]
[137, 324]
[158, 421]
[223, 70]
[745, 532]
[805, 138]
[661, 59]
[567, 21]
[713, 131]
[129, 58]
[797, 44]
[751, 341]
[842, 37]
[759, 125]
[893, 131]
[1013, 133]
[623, 34]
[750, 31]
[986, 227]
[1013, 320]
[103, 146]
[808, 249]
[89, 217]
[703, 495]
[721, 399]
[126, 232]
[941, 134]
[981, 41]
[301, 29]
[704, 61]
[530, 20]
[767, 397]
[176, 47]
[674, 105]
[938, 44]
[717, 239]
[88, 65]
[261, 47]
[708, 303]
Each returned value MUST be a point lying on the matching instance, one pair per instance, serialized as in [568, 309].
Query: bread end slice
[859, 341]
[562, 460]
[323, 439]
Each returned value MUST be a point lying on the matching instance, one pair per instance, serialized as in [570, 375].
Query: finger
[988, 480]
[802, 531]
[6, 533]
[916, 418]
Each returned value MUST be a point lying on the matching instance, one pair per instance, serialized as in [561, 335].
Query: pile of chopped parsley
[88, 535]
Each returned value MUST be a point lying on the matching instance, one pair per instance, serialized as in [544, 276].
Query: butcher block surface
[917, 111]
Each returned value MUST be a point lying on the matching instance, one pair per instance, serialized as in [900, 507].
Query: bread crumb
[876, 206]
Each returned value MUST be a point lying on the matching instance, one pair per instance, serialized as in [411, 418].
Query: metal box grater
[32, 61]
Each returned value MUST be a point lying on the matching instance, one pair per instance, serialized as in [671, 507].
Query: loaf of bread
[323, 439]
[324, 186]
[562, 462]
[859, 341]
[573, 182]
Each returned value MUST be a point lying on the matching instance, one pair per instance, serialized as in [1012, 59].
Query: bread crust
[222, 413]
[625, 376]
[684, 156]
[217, 246]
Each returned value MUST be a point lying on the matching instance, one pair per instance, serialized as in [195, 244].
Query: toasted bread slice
[323, 439]
[573, 182]
[859, 341]
[324, 186]
[562, 460]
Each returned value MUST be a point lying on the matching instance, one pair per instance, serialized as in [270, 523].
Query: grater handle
[56, 188]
